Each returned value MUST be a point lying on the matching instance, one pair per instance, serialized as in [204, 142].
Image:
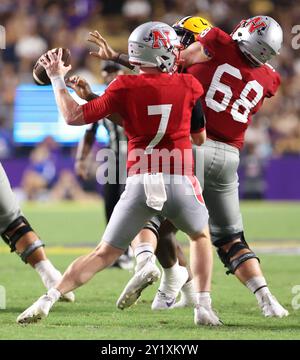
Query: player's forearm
[193, 54]
[199, 138]
[91, 97]
[70, 110]
[123, 59]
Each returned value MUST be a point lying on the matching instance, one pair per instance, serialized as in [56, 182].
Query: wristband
[58, 82]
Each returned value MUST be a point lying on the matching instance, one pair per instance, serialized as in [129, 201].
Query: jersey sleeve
[211, 39]
[198, 118]
[110, 102]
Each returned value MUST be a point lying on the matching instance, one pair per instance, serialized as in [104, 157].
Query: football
[39, 74]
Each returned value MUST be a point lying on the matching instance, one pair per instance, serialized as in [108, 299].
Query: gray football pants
[183, 208]
[216, 165]
[9, 207]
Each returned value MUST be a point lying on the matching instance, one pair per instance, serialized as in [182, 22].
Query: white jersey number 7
[164, 111]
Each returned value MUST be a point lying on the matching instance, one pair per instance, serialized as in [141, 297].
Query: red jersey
[156, 111]
[234, 90]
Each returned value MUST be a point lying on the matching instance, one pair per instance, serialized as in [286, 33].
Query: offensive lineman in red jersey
[234, 89]
[156, 108]
[236, 79]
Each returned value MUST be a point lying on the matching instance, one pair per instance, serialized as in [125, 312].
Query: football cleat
[125, 262]
[270, 307]
[162, 301]
[205, 315]
[68, 297]
[37, 311]
[145, 275]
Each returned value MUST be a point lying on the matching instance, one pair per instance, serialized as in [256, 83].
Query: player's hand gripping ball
[40, 73]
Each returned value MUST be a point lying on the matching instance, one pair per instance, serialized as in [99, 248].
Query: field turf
[69, 229]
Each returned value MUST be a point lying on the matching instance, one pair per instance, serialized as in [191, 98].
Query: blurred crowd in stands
[33, 26]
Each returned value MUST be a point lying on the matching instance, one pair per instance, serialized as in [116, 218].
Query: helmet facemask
[186, 37]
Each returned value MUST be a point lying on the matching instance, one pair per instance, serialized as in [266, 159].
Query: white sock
[203, 298]
[188, 287]
[170, 279]
[48, 273]
[188, 290]
[171, 272]
[187, 295]
[143, 251]
[54, 294]
[258, 286]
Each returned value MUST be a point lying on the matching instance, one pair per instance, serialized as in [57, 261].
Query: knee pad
[11, 240]
[224, 256]
[154, 225]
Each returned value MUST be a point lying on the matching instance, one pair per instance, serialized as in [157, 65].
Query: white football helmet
[259, 38]
[154, 44]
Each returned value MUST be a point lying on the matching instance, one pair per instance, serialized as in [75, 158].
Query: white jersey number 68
[241, 108]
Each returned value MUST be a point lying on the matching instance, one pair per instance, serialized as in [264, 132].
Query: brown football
[39, 74]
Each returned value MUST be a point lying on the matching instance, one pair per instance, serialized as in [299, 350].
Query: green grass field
[94, 315]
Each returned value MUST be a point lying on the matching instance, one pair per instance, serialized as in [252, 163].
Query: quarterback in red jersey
[156, 114]
[168, 117]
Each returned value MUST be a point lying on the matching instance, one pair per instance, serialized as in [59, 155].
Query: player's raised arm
[56, 70]
[106, 52]
[194, 54]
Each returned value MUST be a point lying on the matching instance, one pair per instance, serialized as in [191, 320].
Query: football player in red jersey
[156, 109]
[175, 277]
[236, 79]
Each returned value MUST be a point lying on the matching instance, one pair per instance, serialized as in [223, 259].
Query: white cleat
[68, 297]
[162, 301]
[145, 276]
[37, 311]
[204, 315]
[270, 307]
